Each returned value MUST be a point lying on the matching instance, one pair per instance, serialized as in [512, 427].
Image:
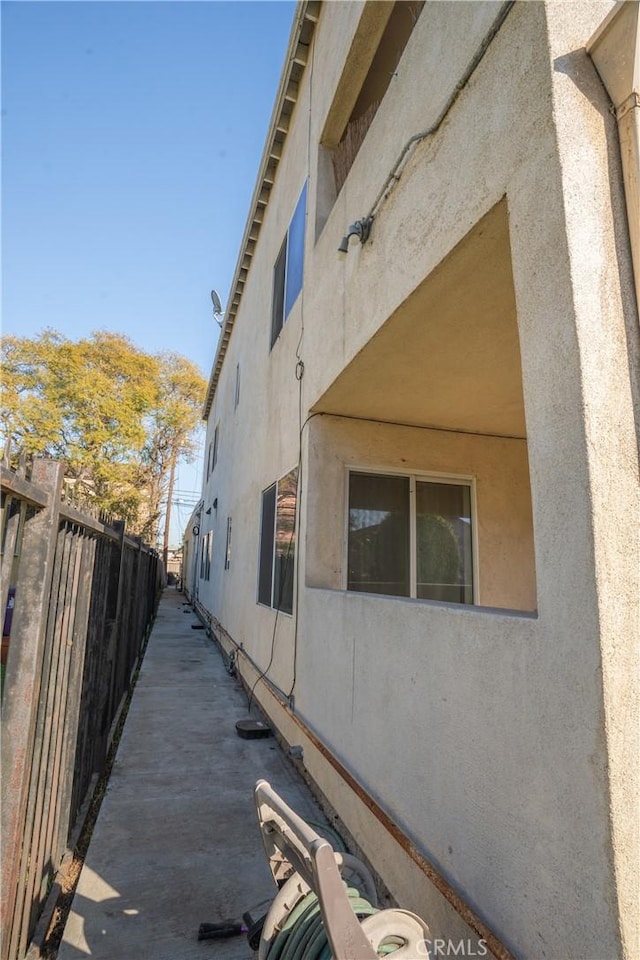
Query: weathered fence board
[85, 596]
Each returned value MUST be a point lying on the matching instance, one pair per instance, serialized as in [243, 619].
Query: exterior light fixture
[360, 229]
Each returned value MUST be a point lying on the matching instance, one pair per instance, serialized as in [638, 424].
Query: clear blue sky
[132, 134]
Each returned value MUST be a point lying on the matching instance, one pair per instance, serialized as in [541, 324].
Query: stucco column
[608, 353]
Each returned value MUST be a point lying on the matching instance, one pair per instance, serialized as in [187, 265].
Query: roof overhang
[304, 24]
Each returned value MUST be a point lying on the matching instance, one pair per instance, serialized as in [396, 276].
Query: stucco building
[419, 526]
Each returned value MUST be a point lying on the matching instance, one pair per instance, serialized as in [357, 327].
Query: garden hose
[329, 833]
[303, 936]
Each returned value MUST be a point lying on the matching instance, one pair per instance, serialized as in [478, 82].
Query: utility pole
[172, 476]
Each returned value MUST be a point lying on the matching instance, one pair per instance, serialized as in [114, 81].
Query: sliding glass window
[410, 537]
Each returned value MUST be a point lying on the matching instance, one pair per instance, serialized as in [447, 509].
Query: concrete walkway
[177, 842]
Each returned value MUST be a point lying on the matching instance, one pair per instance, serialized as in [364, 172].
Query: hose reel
[326, 906]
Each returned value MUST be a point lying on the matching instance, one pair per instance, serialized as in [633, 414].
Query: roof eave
[306, 17]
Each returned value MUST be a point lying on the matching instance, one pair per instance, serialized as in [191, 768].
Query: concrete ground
[177, 842]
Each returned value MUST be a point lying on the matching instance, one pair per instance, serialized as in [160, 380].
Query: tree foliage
[117, 416]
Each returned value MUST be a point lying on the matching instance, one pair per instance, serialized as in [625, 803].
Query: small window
[381, 72]
[410, 537]
[277, 310]
[289, 268]
[344, 133]
[267, 537]
[236, 395]
[209, 459]
[214, 452]
[206, 555]
[227, 555]
[277, 543]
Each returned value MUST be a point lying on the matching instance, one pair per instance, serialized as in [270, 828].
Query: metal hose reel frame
[305, 866]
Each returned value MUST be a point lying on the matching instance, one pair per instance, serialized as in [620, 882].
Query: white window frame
[459, 479]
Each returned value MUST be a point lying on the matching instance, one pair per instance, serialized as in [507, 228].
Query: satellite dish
[217, 307]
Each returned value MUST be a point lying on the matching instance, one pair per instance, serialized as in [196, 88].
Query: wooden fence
[84, 596]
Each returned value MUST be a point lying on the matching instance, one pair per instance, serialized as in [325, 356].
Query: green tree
[107, 409]
[171, 433]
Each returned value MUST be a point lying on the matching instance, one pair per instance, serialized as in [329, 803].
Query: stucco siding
[435, 710]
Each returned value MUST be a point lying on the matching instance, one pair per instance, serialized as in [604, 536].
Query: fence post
[24, 669]
[79, 640]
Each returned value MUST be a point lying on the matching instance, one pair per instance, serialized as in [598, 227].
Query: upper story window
[410, 536]
[383, 66]
[289, 268]
[212, 453]
[214, 449]
[236, 392]
[369, 69]
[278, 544]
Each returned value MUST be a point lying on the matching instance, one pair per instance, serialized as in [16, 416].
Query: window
[289, 268]
[214, 450]
[206, 553]
[383, 37]
[410, 537]
[236, 395]
[227, 555]
[277, 543]
[212, 453]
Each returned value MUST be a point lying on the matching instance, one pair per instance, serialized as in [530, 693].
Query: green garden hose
[303, 935]
[329, 833]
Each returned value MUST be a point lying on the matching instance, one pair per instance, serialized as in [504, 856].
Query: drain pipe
[615, 51]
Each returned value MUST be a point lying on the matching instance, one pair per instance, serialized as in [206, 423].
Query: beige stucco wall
[497, 467]
[503, 744]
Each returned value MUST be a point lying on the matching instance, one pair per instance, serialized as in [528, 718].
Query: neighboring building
[174, 565]
[191, 547]
[420, 504]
